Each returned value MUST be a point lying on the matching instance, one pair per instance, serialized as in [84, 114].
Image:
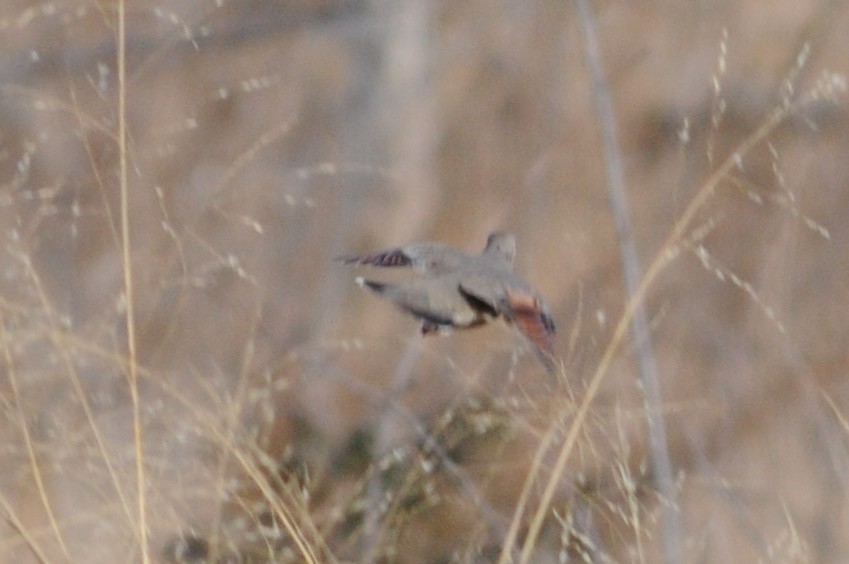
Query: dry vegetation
[175, 178]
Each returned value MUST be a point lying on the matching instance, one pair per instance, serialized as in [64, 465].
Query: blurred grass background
[286, 414]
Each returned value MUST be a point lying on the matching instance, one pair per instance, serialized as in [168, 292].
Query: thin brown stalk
[16, 524]
[507, 551]
[60, 340]
[33, 459]
[128, 283]
[841, 418]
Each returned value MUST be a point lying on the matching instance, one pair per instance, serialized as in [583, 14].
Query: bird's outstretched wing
[425, 258]
[531, 317]
[520, 306]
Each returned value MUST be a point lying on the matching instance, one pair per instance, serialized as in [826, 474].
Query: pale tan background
[265, 138]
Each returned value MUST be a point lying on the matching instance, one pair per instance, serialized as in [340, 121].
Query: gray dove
[457, 290]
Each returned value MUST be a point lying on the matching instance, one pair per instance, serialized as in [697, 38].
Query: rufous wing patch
[531, 319]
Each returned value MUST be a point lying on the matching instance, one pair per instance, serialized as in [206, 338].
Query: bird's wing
[531, 317]
[511, 298]
[425, 258]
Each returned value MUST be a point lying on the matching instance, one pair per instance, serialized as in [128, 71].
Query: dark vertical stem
[649, 376]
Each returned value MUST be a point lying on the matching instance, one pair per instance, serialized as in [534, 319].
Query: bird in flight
[457, 290]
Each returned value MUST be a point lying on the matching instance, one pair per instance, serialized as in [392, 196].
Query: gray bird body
[460, 290]
[435, 301]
